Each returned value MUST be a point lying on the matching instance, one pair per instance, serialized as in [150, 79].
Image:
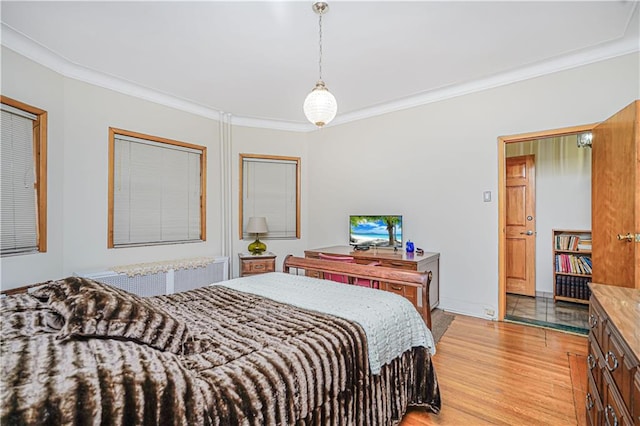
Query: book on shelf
[584, 242]
[573, 264]
[573, 287]
[573, 242]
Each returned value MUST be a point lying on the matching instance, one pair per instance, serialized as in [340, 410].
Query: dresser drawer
[595, 363]
[597, 320]
[614, 411]
[635, 407]
[593, 403]
[620, 364]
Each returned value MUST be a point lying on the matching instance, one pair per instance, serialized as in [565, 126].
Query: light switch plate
[486, 196]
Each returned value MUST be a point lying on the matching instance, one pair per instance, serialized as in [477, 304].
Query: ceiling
[258, 60]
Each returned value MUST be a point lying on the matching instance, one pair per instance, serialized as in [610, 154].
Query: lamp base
[257, 247]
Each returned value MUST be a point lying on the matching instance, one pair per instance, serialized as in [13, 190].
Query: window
[156, 190]
[270, 187]
[23, 158]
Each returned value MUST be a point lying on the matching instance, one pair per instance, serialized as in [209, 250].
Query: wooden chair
[343, 278]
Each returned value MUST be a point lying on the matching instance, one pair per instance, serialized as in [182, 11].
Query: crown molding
[31, 49]
[605, 51]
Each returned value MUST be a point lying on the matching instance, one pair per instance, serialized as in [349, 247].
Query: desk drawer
[313, 274]
[406, 291]
[398, 264]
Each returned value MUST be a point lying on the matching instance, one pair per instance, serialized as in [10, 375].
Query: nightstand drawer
[258, 266]
[252, 265]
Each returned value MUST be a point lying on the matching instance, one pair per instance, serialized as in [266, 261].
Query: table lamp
[257, 225]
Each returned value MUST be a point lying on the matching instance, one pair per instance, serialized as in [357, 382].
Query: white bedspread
[392, 324]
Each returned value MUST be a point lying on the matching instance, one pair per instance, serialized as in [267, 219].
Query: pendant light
[320, 105]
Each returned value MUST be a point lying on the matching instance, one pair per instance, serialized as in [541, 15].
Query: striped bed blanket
[81, 352]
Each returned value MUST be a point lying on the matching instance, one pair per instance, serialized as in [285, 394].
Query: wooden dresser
[399, 260]
[613, 395]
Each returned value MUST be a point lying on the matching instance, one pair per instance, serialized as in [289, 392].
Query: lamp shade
[320, 105]
[257, 225]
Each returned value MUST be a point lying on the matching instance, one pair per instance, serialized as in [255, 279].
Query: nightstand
[256, 264]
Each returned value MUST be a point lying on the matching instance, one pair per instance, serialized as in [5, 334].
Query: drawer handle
[591, 361]
[610, 410]
[593, 321]
[396, 288]
[589, 401]
[611, 355]
[396, 264]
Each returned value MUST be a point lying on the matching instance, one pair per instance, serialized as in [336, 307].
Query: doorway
[563, 201]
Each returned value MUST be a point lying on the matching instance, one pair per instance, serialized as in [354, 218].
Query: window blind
[156, 192]
[270, 191]
[18, 224]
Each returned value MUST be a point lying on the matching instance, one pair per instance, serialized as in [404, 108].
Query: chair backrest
[343, 278]
[337, 277]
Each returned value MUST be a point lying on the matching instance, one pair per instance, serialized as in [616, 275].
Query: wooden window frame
[40, 163]
[244, 157]
[203, 183]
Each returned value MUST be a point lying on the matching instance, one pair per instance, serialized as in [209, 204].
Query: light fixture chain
[320, 106]
[320, 62]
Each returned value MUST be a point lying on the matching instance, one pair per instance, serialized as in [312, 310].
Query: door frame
[502, 142]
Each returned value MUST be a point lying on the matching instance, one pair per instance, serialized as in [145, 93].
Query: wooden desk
[391, 259]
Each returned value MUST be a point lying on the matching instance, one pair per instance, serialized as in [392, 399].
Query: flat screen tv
[381, 231]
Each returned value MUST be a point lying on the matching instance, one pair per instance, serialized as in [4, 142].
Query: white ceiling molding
[29, 48]
[605, 51]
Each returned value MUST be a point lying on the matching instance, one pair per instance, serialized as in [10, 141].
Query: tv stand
[393, 259]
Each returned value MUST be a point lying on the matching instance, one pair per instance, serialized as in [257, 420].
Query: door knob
[527, 233]
[628, 237]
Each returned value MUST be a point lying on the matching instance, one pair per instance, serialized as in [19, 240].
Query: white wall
[80, 115]
[432, 163]
[563, 195]
[429, 163]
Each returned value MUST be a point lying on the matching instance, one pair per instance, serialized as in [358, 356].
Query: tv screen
[381, 231]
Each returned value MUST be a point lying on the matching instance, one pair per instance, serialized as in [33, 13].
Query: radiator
[170, 280]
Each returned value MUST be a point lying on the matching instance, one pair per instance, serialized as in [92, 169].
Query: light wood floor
[503, 373]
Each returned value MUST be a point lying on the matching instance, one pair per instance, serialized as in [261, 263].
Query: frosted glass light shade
[320, 105]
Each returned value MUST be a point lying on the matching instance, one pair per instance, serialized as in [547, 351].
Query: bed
[76, 351]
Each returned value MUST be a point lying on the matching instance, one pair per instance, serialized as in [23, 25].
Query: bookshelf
[571, 265]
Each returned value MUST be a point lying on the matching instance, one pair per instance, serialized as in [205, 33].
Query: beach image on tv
[381, 231]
